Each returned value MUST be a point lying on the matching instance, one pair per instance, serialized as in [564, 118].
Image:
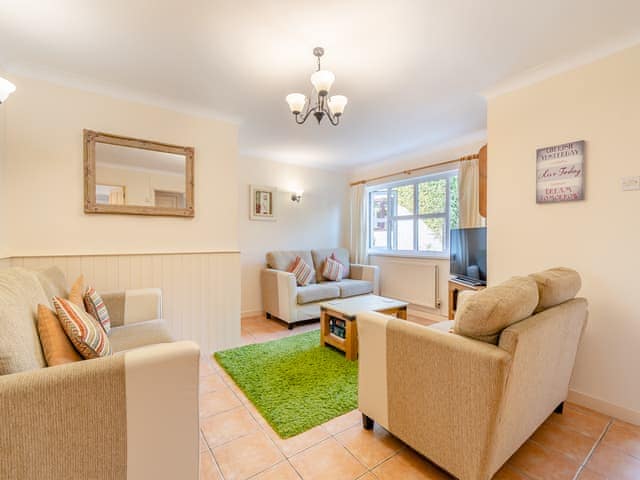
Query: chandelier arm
[300, 120]
[332, 119]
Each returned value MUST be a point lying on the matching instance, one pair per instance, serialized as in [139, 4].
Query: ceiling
[414, 71]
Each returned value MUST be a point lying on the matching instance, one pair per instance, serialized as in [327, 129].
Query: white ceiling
[414, 70]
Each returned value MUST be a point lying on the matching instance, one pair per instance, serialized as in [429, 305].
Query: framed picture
[263, 203]
[560, 173]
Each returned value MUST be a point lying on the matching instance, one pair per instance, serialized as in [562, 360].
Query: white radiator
[413, 282]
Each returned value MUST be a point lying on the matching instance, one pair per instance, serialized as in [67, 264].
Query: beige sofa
[283, 299]
[131, 415]
[468, 404]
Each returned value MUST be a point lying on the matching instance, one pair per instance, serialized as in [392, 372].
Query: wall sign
[560, 173]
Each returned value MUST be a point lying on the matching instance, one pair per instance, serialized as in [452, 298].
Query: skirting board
[602, 406]
[251, 313]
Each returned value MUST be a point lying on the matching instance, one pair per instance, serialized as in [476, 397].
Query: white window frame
[416, 216]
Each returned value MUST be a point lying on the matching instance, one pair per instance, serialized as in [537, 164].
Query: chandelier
[321, 81]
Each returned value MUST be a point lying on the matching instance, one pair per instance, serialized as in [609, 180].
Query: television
[468, 255]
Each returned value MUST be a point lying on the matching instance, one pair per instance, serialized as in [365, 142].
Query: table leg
[402, 313]
[324, 326]
[351, 351]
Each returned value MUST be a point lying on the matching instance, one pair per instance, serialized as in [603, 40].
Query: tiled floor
[236, 443]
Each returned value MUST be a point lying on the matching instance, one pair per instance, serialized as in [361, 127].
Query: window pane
[453, 202]
[403, 198]
[431, 234]
[404, 234]
[432, 196]
[379, 207]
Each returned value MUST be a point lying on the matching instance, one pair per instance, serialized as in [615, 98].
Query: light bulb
[296, 102]
[337, 104]
[322, 81]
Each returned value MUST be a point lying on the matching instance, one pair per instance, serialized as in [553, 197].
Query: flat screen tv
[468, 253]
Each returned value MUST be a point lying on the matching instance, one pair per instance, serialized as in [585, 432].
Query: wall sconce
[6, 89]
[297, 196]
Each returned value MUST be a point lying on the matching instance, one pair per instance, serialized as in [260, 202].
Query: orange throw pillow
[76, 292]
[57, 347]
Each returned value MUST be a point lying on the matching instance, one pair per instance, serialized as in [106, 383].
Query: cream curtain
[358, 234]
[469, 195]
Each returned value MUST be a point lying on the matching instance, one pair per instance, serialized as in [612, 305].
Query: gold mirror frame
[90, 206]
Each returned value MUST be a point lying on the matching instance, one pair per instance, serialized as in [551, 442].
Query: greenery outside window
[414, 217]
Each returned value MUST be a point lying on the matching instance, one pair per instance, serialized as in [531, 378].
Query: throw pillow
[75, 292]
[95, 306]
[83, 330]
[302, 271]
[56, 346]
[333, 269]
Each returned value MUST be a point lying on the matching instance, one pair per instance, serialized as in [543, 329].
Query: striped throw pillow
[302, 271]
[96, 307]
[83, 330]
[333, 269]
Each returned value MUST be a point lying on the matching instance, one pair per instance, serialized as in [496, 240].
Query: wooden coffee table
[338, 319]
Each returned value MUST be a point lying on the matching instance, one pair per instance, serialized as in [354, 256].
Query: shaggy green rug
[294, 382]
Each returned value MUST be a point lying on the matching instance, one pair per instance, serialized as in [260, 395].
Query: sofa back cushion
[20, 294]
[484, 315]
[282, 260]
[319, 257]
[53, 283]
[556, 286]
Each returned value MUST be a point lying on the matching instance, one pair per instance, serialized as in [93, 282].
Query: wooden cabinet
[455, 287]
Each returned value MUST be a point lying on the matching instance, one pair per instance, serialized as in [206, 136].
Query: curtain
[358, 237]
[469, 195]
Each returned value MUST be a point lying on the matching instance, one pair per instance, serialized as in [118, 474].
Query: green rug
[294, 382]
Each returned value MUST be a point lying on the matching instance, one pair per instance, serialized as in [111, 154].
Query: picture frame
[263, 204]
[560, 173]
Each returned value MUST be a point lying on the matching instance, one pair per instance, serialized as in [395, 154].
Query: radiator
[413, 282]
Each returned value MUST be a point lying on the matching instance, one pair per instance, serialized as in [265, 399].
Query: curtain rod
[411, 170]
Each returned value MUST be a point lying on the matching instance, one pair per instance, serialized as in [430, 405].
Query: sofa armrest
[279, 291]
[370, 273]
[132, 306]
[437, 391]
[139, 406]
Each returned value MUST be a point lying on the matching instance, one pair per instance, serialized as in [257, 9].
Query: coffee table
[338, 319]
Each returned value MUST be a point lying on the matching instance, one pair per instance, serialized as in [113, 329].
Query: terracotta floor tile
[580, 420]
[508, 473]
[211, 383]
[227, 426]
[206, 368]
[565, 440]
[212, 403]
[625, 437]
[542, 463]
[371, 447]
[203, 444]
[327, 460]
[282, 471]
[614, 463]
[293, 445]
[587, 474]
[208, 468]
[341, 423]
[247, 456]
[408, 465]
[368, 476]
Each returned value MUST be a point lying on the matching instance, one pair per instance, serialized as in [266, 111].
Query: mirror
[138, 177]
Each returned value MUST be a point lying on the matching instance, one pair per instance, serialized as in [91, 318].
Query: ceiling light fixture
[321, 80]
[6, 89]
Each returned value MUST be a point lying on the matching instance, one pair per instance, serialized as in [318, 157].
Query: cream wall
[318, 221]
[140, 184]
[599, 236]
[462, 146]
[45, 177]
[4, 230]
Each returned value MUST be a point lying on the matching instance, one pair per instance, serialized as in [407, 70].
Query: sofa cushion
[351, 288]
[302, 271]
[57, 347]
[333, 270]
[95, 306]
[282, 259]
[317, 292]
[20, 294]
[53, 283]
[76, 291]
[445, 326]
[319, 256]
[484, 315]
[84, 331]
[139, 334]
[556, 286]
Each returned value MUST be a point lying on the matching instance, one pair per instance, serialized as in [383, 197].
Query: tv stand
[455, 287]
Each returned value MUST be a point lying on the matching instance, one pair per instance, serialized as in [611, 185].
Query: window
[414, 217]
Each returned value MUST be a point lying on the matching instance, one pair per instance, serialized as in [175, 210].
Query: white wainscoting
[415, 280]
[201, 291]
